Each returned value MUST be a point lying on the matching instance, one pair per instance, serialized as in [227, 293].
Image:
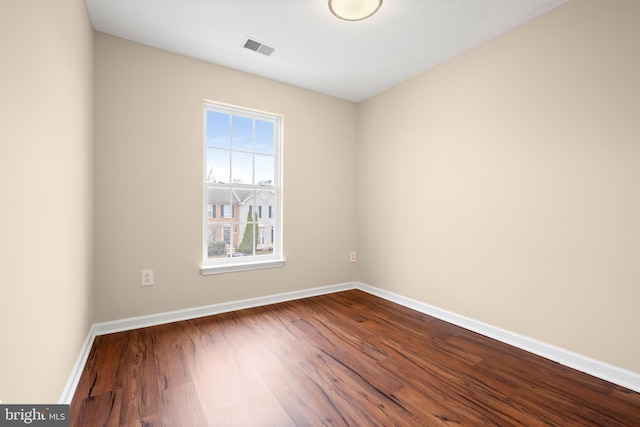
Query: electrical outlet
[146, 277]
[352, 256]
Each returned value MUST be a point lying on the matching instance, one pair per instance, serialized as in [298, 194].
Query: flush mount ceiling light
[354, 10]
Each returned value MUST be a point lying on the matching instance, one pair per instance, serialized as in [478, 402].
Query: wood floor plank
[342, 359]
[140, 394]
[181, 407]
[172, 345]
[104, 366]
[102, 410]
[350, 399]
[245, 386]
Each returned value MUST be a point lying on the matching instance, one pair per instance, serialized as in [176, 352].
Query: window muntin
[242, 173]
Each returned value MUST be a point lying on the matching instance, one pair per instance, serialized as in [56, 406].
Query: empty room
[273, 213]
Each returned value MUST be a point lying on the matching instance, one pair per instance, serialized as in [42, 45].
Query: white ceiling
[314, 49]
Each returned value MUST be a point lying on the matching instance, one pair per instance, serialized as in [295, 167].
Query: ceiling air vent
[259, 47]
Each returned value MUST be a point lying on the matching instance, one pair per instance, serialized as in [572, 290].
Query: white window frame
[232, 264]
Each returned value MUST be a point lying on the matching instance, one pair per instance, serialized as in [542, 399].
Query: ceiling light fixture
[354, 10]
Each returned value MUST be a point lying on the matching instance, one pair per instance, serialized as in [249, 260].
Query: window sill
[207, 270]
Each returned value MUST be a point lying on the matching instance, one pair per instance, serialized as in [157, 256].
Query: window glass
[241, 167]
[218, 126]
[264, 137]
[264, 169]
[242, 134]
[218, 169]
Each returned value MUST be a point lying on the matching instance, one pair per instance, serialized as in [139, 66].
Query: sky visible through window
[238, 148]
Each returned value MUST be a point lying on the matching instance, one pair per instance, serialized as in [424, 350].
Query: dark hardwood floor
[342, 359]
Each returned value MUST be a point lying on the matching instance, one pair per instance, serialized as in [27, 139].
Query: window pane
[216, 245]
[217, 129]
[264, 137]
[264, 200]
[218, 227]
[218, 197]
[218, 168]
[264, 169]
[242, 133]
[235, 237]
[246, 236]
[265, 238]
[241, 168]
[244, 197]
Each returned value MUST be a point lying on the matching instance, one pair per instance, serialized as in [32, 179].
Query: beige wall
[45, 183]
[148, 181]
[519, 162]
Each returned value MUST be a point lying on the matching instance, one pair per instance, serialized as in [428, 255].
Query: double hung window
[242, 174]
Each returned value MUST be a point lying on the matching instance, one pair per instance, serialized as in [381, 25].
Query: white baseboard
[72, 383]
[209, 310]
[605, 371]
[613, 374]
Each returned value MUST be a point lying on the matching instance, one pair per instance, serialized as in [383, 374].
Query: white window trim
[207, 270]
[228, 265]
